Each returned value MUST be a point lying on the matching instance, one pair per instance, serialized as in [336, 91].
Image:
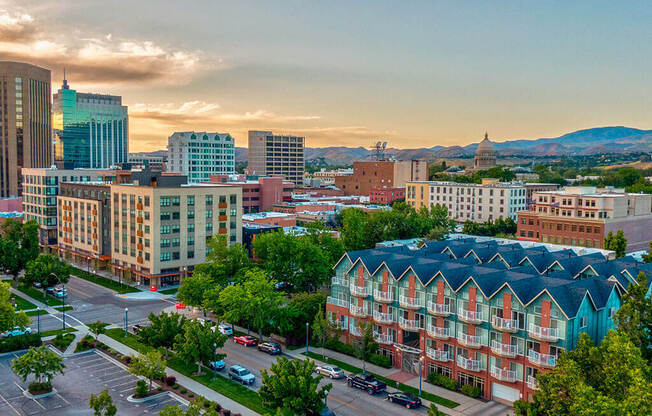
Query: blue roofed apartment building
[486, 314]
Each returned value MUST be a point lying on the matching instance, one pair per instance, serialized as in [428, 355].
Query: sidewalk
[81, 333]
[187, 382]
[40, 304]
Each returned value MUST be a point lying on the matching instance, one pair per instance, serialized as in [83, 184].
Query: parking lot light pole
[420, 369]
[126, 321]
[307, 338]
[63, 304]
[214, 360]
[38, 320]
[326, 399]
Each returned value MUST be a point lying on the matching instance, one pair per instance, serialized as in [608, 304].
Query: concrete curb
[29, 395]
[146, 399]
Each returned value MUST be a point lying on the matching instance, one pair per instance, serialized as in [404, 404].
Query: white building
[200, 155]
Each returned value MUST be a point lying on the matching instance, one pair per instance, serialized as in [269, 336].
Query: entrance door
[410, 363]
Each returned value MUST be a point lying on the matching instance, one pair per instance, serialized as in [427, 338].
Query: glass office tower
[90, 130]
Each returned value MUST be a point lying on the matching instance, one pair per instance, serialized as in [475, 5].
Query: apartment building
[483, 202]
[386, 194]
[373, 174]
[489, 315]
[147, 161]
[160, 225]
[259, 194]
[40, 191]
[584, 215]
[271, 154]
[327, 177]
[199, 155]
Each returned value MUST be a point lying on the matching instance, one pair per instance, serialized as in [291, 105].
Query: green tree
[225, 263]
[617, 243]
[46, 270]
[97, 329]
[193, 288]
[102, 404]
[162, 330]
[197, 344]
[8, 316]
[352, 231]
[634, 317]
[39, 362]
[150, 365]
[320, 330]
[367, 346]
[647, 257]
[197, 407]
[292, 385]
[19, 244]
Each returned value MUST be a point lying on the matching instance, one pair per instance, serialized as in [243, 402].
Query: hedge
[380, 360]
[469, 390]
[339, 346]
[443, 381]
[21, 342]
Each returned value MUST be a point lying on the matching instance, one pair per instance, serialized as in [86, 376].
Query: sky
[347, 73]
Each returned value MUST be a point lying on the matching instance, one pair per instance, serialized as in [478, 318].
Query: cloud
[15, 27]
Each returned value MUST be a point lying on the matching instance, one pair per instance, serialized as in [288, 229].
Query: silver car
[329, 371]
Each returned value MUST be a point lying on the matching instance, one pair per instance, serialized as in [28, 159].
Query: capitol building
[485, 155]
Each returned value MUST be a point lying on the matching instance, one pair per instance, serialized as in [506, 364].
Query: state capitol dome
[485, 155]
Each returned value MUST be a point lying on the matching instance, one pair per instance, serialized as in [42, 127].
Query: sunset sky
[347, 73]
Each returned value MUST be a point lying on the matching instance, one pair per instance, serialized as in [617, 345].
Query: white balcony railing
[439, 309]
[472, 317]
[504, 350]
[409, 302]
[359, 291]
[438, 332]
[542, 360]
[438, 355]
[502, 324]
[340, 281]
[338, 324]
[532, 383]
[383, 318]
[409, 324]
[471, 341]
[337, 302]
[357, 311]
[502, 374]
[385, 297]
[383, 338]
[468, 363]
[355, 330]
[544, 334]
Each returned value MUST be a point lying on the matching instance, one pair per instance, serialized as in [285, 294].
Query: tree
[150, 365]
[102, 404]
[352, 230]
[292, 385]
[97, 329]
[433, 410]
[225, 263]
[302, 307]
[647, 257]
[193, 288]
[634, 317]
[617, 243]
[162, 330]
[320, 329]
[46, 270]
[19, 244]
[367, 344]
[8, 316]
[197, 407]
[197, 344]
[41, 363]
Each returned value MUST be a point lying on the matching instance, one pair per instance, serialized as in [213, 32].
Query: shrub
[225, 412]
[522, 408]
[141, 388]
[159, 388]
[471, 391]
[183, 391]
[127, 359]
[21, 342]
[176, 386]
[40, 388]
[170, 380]
[340, 347]
[191, 395]
[380, 360]
[443, 381]
[207, 404]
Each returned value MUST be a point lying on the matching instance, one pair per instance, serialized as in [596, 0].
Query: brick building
[371, 174]
[259, 194]
[385, 195]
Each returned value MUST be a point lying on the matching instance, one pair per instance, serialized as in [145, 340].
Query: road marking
[121, 384]
[9, 404]
[61, 397]
[23, 390]
[245, 361]
[357, 409]
[78, 290]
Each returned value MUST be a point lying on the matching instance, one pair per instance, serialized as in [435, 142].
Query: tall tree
[8, 316]
[150, 365]
[634, 317]
[162, 330]
[352, 231]
[647, 257]
[20, 246]
[367, 344]
[46, 270]
[102, 404]
[39, 362]
[97, 329]
[320, 330]
[193, 288]
[292, 385]
[225, 263]
[197, 344]
[617, 243]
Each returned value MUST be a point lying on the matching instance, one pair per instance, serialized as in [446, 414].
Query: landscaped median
[103, 281]
[37, 294]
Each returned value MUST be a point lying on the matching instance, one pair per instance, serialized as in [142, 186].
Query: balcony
[544, 334]
[439, 309]
[357, 311]
[139, 206]
[542, 360]
[409, 302]
[384, 297]
[468, 364]
[139, 220]
[438, 355]
[502, 374]
[505, 325]
[532, 383]
[139, 233]
[339, 281]
[438, 332]
[359, 291]
[337, 302]
[339, 324]
[470, 317]
[504, 350]
[471, 341]
[383, 338]
[408, 324]
[355, 331]
[383, 318]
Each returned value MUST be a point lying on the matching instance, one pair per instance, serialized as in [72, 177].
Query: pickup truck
[366, 381]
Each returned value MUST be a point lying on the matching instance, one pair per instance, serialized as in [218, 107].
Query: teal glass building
[90, 130]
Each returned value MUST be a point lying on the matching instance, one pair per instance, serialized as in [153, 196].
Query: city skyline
[347, 74]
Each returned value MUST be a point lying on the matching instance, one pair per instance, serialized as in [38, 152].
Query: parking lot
[84, 374]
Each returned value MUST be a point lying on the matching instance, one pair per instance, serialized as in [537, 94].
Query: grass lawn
[37, 294]
[22, 304]
[118, 334]
[103, 281]
[57, 332]
[404, 387]
[34, 313]
[61, 308]
[63, 342]
[169, 291]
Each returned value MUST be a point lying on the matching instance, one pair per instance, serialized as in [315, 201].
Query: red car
[246, 340]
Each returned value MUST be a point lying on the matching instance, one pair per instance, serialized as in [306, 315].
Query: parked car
[217, 365]
[241, 375]
[408, 400]
[330, 371]
[271, 348]
[246, 340]
[366, 381]
[205, 321]
[225, 329]
[37, 284]
[60, 293]
[138, 327]
[50, 289]
[15, 332]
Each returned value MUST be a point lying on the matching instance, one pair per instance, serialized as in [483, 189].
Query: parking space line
[107, 373]
[121, 384]
[130, 388]
[61, 397]
[35, 401]
[98, 365]
[357, 409]
[9, 404]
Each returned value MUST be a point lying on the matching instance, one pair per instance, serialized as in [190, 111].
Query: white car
[329, 371]
[225, 329]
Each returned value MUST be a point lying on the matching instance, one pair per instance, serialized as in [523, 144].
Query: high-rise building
[25, 122]
[271, 154]
[199, 155]
[90, 130]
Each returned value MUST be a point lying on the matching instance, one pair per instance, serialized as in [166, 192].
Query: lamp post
[326, 399]
[420, 369]
[307, 338]
[38, 320]
[214, 360]
[63, 300]
[126, 321]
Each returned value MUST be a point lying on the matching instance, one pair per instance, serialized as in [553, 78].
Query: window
[190, 200]
[165, 201]
[175, 255]
[175, 215]
[165, 256]
[209, 213]
[190, 241]
[191, 214]
[584, 322]
[175, 242]
[165, 216]
[209, 200]
[191, 228]
[165, 229]
[176, 201]
[191, 254]
[165, 243]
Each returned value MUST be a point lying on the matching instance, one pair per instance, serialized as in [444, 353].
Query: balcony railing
[360, 291]
[409, 324]
[355, 331]
[439, 309]
[337, 302]
[409, 302]
[502, 374]
[383, 338]
[471, 317]
[544, 334]
[357, 311]
[502, 324]
[340, 281]
[468, 363]
[338, 324]
[504, 350]
[471, 341]
[542, 360]
[383, 318]
[438, 355]
[532, 383]
[438, 332]
[385, 297]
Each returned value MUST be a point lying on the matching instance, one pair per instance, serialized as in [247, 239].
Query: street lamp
[420, 369]
[214, 360]
[326, 399]
[38, 320]
[307, 338]
[63, 300]
[126, 321]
